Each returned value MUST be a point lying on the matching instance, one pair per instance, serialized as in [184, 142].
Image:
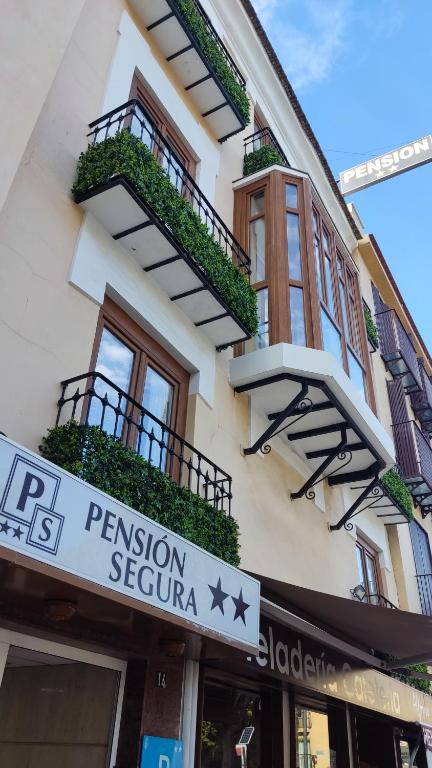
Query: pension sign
[381, 168]
[51, 516]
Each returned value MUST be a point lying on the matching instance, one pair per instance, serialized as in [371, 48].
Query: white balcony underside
[363, 429]
[189, 67]
[117, 210]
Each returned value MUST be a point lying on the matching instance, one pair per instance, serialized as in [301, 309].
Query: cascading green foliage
[126, 155]
[103, 461]
[210, 49]
[263, 157]
[371, 329]
[396, 488]
[414, 682]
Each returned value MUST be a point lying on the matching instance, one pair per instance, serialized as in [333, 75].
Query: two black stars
[5, 527]
[219, 596]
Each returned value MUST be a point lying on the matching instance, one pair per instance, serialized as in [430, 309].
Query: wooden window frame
[140, 91]
[146, 352]
[278, 281]
[367, 550]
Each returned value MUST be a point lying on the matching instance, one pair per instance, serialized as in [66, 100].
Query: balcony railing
[134, 117]
[397, 349]
[424, 583]
[422, 401]
[201, 61]
[414, 456]
[93, 400]
[132, 180]
[261, 150]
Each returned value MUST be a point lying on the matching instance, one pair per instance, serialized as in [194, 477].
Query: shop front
[314, 701]
[103, 617]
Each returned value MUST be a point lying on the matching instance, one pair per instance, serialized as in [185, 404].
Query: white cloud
[308, 36]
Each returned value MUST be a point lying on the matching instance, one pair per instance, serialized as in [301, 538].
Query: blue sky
[362, 72]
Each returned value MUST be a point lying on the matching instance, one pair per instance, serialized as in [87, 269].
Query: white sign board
[392, 163]
[52, 516]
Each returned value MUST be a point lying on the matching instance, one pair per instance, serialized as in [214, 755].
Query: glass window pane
[331, 337]
[262, 339]
[312, 740]
[298, 330]
[318, 267]
[158, 399]
[329, 285]
[294, 253]
[226, 712]
[257, 249]
[142, 127]
[345, 322]
[361, 575]
[115, 361]
[172, 165]
[55, 711]
[291, 196]
[371, 575]
[257, 202]
[356, 374]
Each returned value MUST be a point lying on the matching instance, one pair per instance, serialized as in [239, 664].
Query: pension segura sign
[55, 518]
[381, 168]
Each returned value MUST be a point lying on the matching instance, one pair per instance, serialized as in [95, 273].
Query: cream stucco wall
[55, 267]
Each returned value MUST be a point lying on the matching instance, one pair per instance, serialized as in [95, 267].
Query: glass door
[57, 706]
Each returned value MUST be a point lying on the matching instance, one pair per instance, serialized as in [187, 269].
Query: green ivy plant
[371, 329]
[414, 682]
[262, 158]
[103, 461]
[197, 26]
[397, 490]
[127, 156]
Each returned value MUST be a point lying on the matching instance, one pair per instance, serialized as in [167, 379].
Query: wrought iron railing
[133, 117]
[424, 583]
[214, 35]
[264, 138]
[395, 341]
[414, 453]
[422, 400]
[93, 400]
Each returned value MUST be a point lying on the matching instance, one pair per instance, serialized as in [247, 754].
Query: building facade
[196, 328]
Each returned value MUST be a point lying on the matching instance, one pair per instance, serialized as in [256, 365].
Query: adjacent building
[216, 468]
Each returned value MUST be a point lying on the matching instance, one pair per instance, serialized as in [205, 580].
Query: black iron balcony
[132, 181]
[397, 350]
[201, 62]
[93, 400]
[261, 150]
[422, 401]
[414, 456]
[424, 583]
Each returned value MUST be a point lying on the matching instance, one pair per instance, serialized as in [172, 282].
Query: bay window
[307, 284]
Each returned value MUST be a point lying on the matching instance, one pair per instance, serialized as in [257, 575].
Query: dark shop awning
[406, 636]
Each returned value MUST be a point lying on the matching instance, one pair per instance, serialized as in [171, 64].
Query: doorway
[376, 746]
[58, 705]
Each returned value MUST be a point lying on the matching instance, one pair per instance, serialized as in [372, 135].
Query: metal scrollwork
[265, 449]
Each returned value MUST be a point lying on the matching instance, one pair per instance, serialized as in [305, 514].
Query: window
[256, 248]
[156, 118]
[295, 266]
[320, 737]
[307, 284]
[368, 572]
[338, 292]
[137, 371]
